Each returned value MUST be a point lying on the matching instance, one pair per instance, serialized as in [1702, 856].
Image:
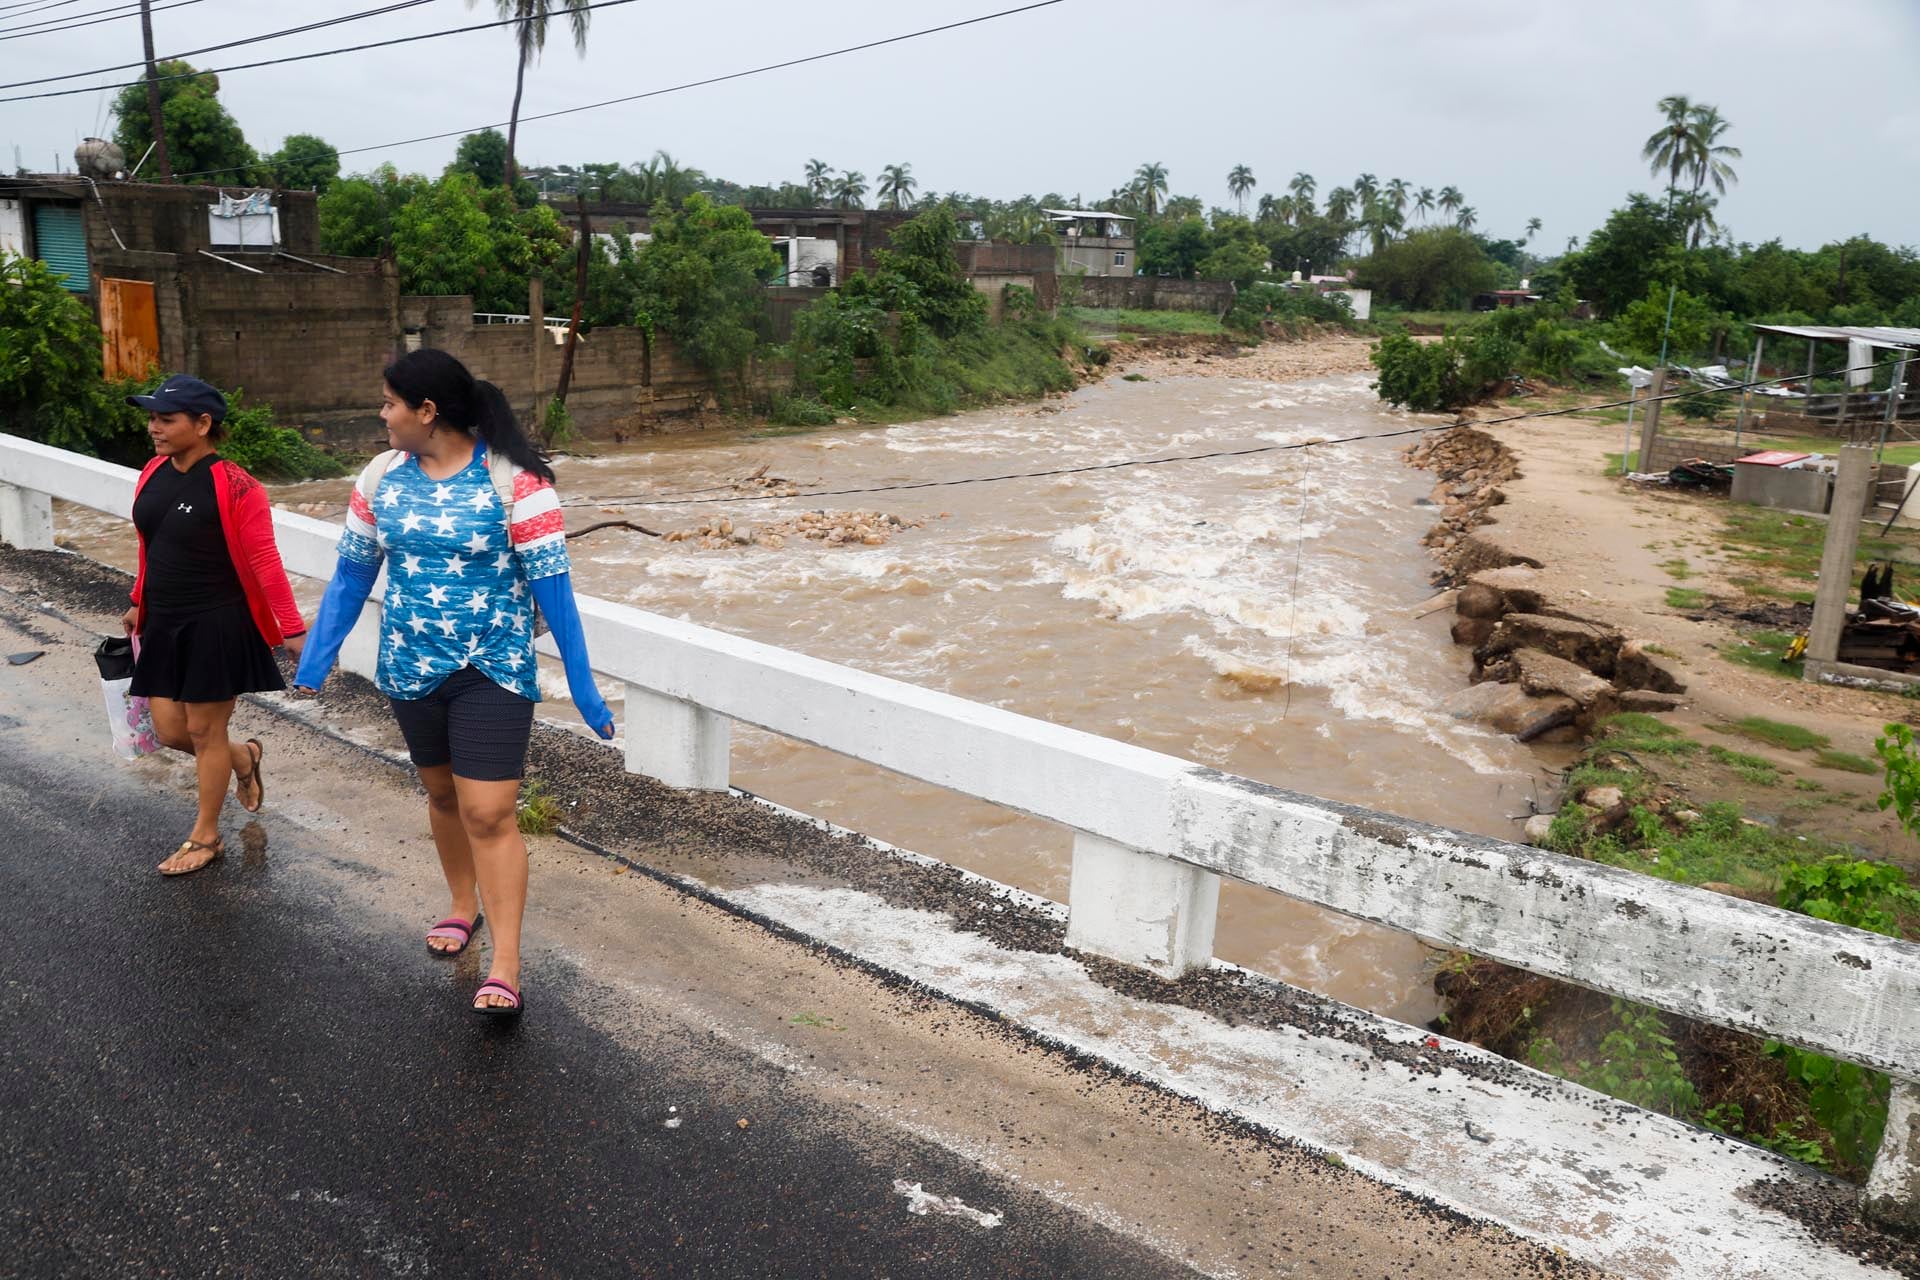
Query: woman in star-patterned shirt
[463, 512]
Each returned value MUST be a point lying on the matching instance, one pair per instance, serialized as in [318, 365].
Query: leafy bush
[1263, 303]
[1637, 1063]
[702, 279]
[1425, 377]
[254, 439]
[50, 388]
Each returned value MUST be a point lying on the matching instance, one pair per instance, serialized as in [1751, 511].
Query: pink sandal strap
[452, 927]
[500, 985]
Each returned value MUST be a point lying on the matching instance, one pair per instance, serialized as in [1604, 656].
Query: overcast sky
[1533, 108]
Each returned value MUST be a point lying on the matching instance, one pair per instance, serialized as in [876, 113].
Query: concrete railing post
[26, 518]
[1892, 1194]
[1650, 423]
[1850, 492]
[676, 742]
[1140, 908]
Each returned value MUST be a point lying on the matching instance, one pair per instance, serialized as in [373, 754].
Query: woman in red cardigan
[209, 605]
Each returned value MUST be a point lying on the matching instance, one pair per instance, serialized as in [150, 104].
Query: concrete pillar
[26, 519]
[1851, 493]
[1650, 424]
[1139, 908]
[676, 742]
[1892, 1194]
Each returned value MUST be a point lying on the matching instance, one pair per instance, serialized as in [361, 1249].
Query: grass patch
[1127, 320]
[1845, 762]
[1810, 784]
[1749, 768]
[1775, 734]
[1899, 455]
[1767, 591]
[1133, 377]
[1641, 733]
[1613, 467]
[1678, 568]
[1584, 776]
[1685, 598]
[539, 811]
[1763, 651]
[1662, 651]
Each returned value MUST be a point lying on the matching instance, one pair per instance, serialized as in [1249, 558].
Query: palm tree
[1151, 181]
[675, 182]
[1466, 218]
[1397, 192]
[1573, 243]
[1533, 225]
[819, 179]
[1240, 180]
[1274, 208]
[1365, 188]
[530, 37]
[1450, 199]
[1672, 146]
[896, 185]
[1710, 155]
[1423, 202]
[850, 190]
[1339, 204]
[1381, 220]
[1302, 188]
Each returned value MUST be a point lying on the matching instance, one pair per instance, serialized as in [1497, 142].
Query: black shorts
[470, 723]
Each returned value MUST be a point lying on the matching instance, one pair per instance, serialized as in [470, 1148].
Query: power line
[35, 6]
[1210, 455]
[214, 48]
[654, 93]
[304, 57]
[47, 30]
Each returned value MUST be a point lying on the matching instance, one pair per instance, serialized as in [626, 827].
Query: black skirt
[209, 656]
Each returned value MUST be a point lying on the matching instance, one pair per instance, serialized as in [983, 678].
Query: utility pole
[584, 246]
[153, 93]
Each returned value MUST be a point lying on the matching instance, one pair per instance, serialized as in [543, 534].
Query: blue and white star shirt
[459, 578]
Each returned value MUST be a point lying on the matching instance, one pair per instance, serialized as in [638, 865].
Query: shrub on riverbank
[1805, 1105]
[254, 439]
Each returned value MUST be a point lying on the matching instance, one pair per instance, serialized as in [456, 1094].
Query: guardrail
[1154, 834]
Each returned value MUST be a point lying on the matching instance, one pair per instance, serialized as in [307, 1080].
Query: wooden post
[154, 117]
[585, 233]
[537, 321]
[1851, 490]
[1746, 393]
[1650, 427]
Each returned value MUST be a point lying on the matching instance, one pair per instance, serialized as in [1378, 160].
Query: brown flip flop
[254, 776]
[218, 848]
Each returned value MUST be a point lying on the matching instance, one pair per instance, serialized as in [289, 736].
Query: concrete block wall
[308, 343]
[1670, 451]
[156, 218]
[1148, 293]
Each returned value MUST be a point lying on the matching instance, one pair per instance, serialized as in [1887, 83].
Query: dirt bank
[1276, 360]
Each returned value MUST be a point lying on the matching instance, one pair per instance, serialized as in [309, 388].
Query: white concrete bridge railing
[1154, 834]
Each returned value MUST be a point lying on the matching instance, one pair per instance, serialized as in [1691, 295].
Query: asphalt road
[224, 1075]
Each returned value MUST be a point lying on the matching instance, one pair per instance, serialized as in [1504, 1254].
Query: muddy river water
[1259, 614]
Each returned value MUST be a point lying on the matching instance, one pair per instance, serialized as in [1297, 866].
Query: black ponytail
[467, 402]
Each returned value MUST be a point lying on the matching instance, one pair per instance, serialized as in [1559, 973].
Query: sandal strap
[458, 930]
[501, 985]
[194, 846]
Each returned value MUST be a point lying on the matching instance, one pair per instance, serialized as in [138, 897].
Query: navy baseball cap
[183, 393]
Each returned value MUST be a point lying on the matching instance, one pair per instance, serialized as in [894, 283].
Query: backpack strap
[500, 471]
[369, 482]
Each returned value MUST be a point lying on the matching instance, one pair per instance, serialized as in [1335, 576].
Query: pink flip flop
[498, 986]
[456, 929]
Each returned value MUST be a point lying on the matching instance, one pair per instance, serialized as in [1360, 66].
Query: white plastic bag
[129, 719]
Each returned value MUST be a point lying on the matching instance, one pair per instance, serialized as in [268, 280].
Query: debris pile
[833, 528]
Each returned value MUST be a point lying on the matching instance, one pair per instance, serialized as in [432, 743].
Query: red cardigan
[247, 520]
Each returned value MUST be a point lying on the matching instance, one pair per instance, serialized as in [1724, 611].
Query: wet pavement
[217, 1075]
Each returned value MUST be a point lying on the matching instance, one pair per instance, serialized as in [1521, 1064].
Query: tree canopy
[702, 280]
[305, 163]
[202, 138]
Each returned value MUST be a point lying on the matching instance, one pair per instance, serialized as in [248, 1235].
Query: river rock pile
[832, 528]
[1471, 466]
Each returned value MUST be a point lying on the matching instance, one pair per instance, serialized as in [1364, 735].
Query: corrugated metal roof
[1087, 213]
[1876, 335]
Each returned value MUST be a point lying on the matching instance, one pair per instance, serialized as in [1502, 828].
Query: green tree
[1423, 202]
[850, 190]
[202, 139]
[1671, 147]
[702, 280]
[1396, 195]
[1643, 323]
[1240, 181]
[530, 39]
[1450, 199]
[896, 186]
[1238, 253]
[1365, 188]
[1623, 255]
[357, 213]
[1428, 270]
[1150, 180]
[1466, 218]
[1533, 229]
[919, 274]
[819, 180]
[1301, 187]
[484, 155]
[1174, 248]
[50, 388]
[305, 162]
[1339, 204]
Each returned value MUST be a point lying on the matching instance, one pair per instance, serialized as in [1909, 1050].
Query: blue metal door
[60, 241]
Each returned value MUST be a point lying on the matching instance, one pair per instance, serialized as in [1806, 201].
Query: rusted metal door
[129, 328]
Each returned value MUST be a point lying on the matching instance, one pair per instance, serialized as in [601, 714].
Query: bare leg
[450, 842]
[487, 811]
[170, 726]
[206, 724]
